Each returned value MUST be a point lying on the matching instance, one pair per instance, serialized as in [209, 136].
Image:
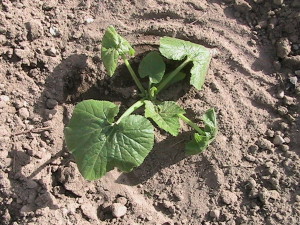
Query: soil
[50, 60]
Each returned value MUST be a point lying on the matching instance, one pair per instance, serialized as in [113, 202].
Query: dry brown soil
[50, 60]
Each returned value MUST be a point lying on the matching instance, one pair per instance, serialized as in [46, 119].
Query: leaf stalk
[133, 75]
[191, 123]
[131, 109]
[172, 75]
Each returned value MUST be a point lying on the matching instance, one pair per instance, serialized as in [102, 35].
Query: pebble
[265, 144]
[50, 4]
[6, 218]
[89, 210]
[24, 113]
[288, 100]
[228, 197]
[89, 20]
[250, 158]
[215, 213]
[278, 140]
[51, 52]
[253, 148]
[287, 140]
[270, 133]
[252, 183]
[54, 31]
[22, 53]
[285, 148]
[293, 80]
[118, 210]
[280, 94]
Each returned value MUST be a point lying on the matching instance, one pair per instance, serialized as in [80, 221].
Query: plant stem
[131, 109]
[134, 76]
[172, 75]
[191, 123]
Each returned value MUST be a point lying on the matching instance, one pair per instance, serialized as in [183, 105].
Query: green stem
[191, 123]
[134, 76]
[172, 75]
[131, 109]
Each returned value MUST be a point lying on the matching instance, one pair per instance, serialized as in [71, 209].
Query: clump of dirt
[50, 60]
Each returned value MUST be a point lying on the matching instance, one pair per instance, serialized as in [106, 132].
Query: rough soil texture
[50, 61]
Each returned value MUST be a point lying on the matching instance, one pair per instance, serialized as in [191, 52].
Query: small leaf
[165, 115]
[152, 65]
[113, 46]
[98, 145]
[201, 141]
[176, 49]
[197, 145]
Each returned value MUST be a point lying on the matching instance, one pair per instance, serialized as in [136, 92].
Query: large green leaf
[165, 115]
[113, 46]
[176, 49]
[200, 141]
[98, 145]
[152, 65]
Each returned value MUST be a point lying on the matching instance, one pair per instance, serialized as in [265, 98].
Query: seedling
[99, 142]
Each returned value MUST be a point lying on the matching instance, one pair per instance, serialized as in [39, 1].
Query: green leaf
[153, 66]
[165, 115]
[201, 141]
[176, 49]
[113, 46]
[98, 145]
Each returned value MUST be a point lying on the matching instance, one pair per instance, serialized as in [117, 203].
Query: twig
[34, 130]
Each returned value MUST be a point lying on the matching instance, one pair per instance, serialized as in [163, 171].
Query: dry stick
[34, 130]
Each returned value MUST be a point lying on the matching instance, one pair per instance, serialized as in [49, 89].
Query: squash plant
[100, 140]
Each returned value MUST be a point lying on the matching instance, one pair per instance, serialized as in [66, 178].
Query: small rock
[297, 72]
[24, 113]
[293, 80]
[118, 210]
[215, 213]
[51, 103]
[265, 195]
[283, 47]
[250, 158]
[22, 53]
[278, 2]
[285, 148]
[287, 140]
[228, 197]
[280, 94]
[54, 31]
[51, 52]
[265, 144]
[4, 98]
[270, 133]
[278, 140]
[89, 20]
[89, 210]
[35, 30]
[289, 100]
